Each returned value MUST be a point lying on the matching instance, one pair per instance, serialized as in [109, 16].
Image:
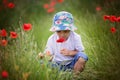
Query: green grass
[101, 46]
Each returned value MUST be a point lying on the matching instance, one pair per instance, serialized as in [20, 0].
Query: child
[65, 45]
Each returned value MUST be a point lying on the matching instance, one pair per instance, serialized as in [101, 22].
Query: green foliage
[19, 57]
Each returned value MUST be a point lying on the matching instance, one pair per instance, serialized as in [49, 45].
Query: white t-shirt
[72, 43]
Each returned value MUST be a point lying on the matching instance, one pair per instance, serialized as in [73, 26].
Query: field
[19, 53]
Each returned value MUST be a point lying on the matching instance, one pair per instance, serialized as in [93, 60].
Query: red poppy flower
[4, 74]
[98, 8]
[50, 10]
[106, 17]
[118, 19]
[3, 33]
[27, 26]
[3, 42]
[52, 4]
[113, 30]
[13, 34]
[60, 1]
[60, 40]
[11, 5]
[113, 18]
[5, 2]
[45, 6]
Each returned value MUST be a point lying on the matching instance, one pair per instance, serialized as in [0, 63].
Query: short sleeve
[78, 43]
[48, 47]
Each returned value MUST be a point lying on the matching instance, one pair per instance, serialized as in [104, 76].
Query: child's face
[63, 34]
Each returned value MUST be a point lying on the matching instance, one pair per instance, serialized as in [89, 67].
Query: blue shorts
[70, 65]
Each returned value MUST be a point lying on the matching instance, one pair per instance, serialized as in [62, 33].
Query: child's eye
[58, 31]
[66, 31]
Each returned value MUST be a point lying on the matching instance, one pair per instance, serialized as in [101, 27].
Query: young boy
[65, 45]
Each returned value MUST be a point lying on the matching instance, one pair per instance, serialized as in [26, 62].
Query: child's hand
[40, 55]
[47, 56]
[48, 53]
[65, 52]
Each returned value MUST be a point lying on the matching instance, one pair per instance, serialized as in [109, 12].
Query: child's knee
[80, 64]
[82, 61]
[82, 55]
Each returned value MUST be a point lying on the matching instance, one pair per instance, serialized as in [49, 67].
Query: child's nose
[62, 34]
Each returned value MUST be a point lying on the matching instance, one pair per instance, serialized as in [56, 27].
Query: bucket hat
[63, 21]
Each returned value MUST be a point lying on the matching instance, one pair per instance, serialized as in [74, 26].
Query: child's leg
[78, 63]
[81, 59]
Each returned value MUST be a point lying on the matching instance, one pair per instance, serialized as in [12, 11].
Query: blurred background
[100, 36]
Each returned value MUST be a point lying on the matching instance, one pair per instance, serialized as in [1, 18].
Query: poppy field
[24, 30]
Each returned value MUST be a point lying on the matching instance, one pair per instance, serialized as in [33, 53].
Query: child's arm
[67, 52]
[46, 55]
